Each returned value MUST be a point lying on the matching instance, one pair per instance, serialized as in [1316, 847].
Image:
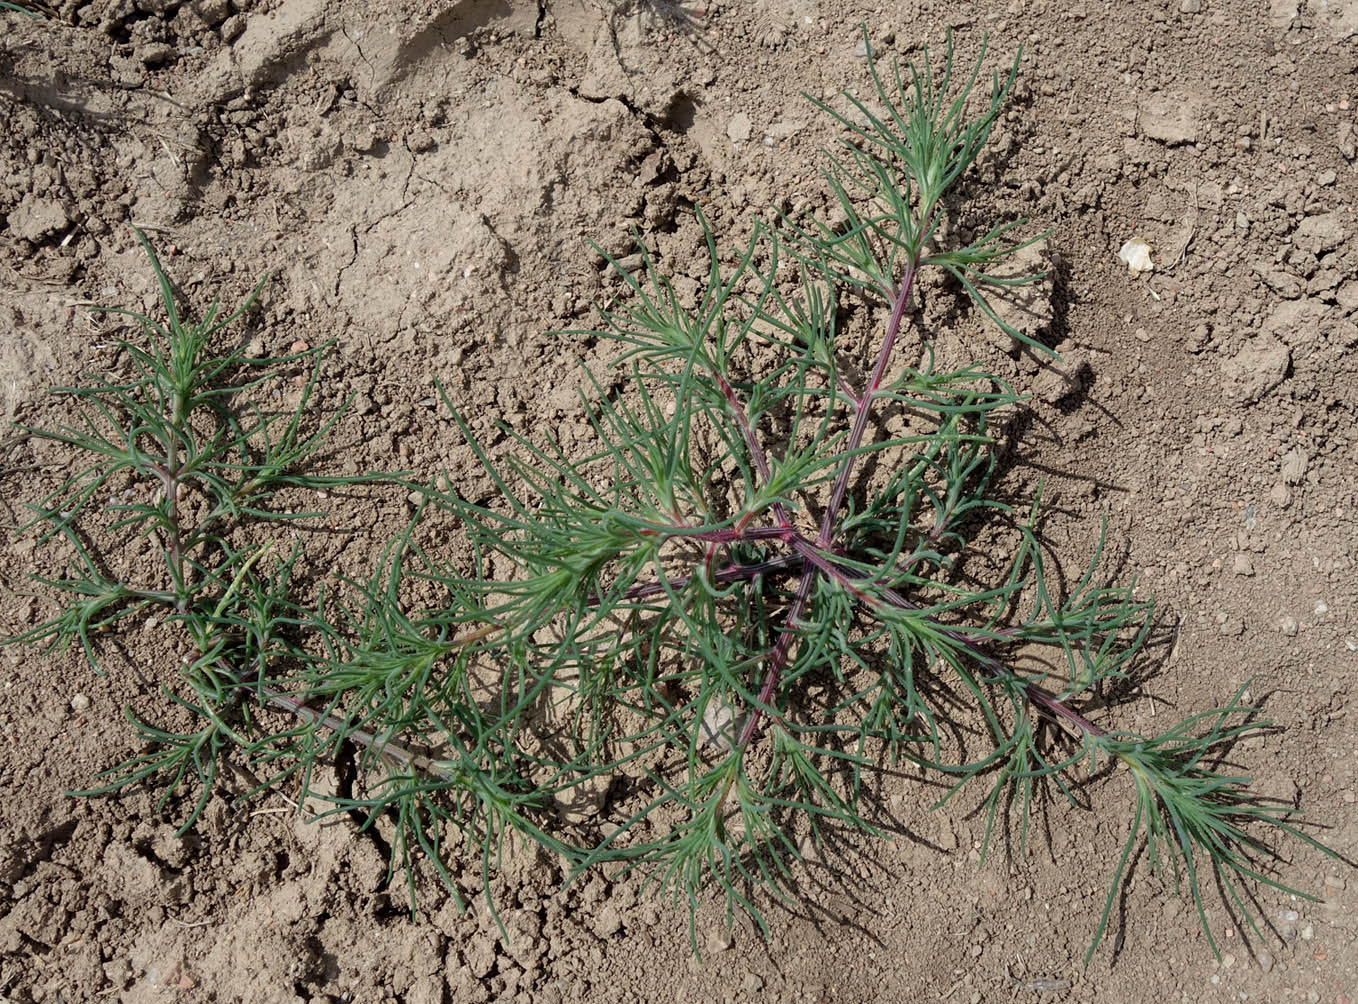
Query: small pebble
[740, 127]
[1227, 961]
[153, 53]
[1265, 959]
[1288, 626]
[1242, 564]
[1190, 6]
[1308, 932]
[1294, 466]
[362, 139]
[80, 703]
[862, 50]
[608, 922]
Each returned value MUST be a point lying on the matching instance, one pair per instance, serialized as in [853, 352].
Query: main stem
[170, 484]
[782, 648]
[863, 409]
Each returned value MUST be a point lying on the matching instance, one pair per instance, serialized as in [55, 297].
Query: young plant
[758, 586]
[181, 449]
[711, 630]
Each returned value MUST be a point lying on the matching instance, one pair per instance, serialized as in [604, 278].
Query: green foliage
[718, 624]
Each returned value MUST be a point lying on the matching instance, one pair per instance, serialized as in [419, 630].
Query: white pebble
[80, 703]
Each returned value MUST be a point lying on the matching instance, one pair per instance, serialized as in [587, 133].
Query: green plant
[718, 625]
[186, 449]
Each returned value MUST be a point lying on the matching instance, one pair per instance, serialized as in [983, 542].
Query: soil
[422, 177]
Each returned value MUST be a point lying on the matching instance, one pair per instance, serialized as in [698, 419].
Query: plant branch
[863, 406]
[723, 576]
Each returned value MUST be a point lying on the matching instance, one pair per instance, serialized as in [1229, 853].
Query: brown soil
[423, 175]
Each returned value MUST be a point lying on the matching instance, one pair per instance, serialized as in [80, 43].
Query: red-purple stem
[777, 659]
[1053, 705]
[722, 576]
[1048, 702]
[862, 409]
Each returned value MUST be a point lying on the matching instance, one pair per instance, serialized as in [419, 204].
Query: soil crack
[355, 232]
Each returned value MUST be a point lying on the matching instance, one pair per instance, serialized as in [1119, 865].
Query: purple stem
[863, 408]
[731, 573]
[777, 659]
[1052, 704]
[386, 747]
[1043, 699]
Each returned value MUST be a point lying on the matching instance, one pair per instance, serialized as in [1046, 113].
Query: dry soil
[423, 176]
